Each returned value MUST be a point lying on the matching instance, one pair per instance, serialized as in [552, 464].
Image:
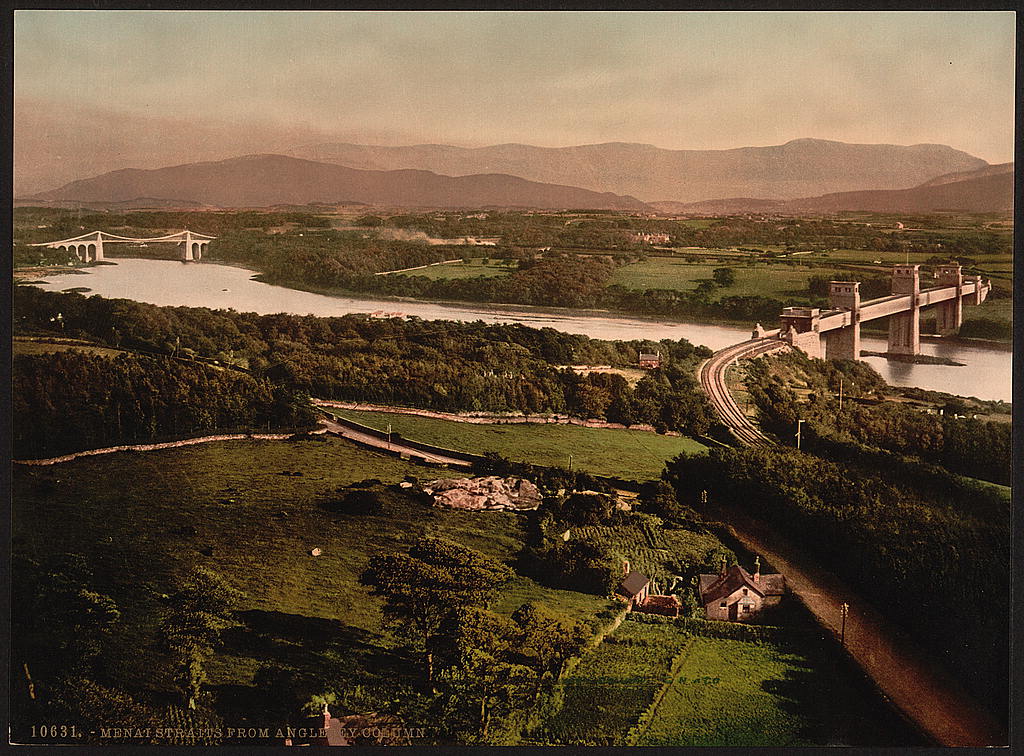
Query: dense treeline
[958, 442]
[435, 364]
[322, 258]
[69, 401]
[925, 234]
[936, 562]
[561, 281]
[36, 224]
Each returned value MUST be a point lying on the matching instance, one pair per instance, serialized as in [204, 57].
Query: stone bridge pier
[86, 250]
[905, 327]
[192, 249]
[844, 343]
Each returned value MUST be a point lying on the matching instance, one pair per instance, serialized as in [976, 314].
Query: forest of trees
[433, 364]
[960, 443]
[934, 555]
[70, 401]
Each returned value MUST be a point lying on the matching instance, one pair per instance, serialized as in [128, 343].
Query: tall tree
[203, 606]
[423, 587]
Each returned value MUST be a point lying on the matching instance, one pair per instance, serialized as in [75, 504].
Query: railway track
[712, 378]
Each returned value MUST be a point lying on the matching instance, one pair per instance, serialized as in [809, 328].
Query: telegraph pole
[845, 610]
[389, 436]
[798, 424]
[840, 394]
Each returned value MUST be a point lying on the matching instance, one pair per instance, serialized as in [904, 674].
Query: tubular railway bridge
[835, 333]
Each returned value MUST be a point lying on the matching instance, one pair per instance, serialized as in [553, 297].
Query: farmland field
[633, 455]
[761, 694]
[475, 268]
[766, 279]
[613, 684]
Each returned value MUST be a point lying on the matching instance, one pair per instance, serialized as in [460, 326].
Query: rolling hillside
[263, 180]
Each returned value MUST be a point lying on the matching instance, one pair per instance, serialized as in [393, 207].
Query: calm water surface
[987, 374]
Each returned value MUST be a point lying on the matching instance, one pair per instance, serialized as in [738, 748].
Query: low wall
[488, 418]
[167, 445]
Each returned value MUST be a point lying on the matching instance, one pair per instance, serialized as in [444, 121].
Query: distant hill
[979, 192]
[265, 180]
[986, 190]
[799, 168]
[726, 206]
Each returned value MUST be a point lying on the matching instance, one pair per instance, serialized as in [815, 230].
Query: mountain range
[921, 178]
[264, 180]
[799, 168]
[986, 190]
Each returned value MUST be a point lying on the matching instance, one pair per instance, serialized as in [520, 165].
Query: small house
[650, 360]
[734, 595]
[635, 586]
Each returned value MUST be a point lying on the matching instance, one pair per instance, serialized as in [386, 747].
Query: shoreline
[26, 275]
[587, 312]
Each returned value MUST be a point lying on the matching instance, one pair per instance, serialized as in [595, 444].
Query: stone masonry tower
[905, 327]
[844, 343]
[949, 315]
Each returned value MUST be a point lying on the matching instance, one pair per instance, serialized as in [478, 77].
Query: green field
[719, 693]
[612, 685]
[632, 455]
[474, 269]
[743, 694]
[131, 516]
[766, 279]
[20, 346]
[893, 258]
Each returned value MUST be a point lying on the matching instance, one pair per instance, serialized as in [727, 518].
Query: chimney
[625, 567]
[757, 569]
[327, 717]
[725, 567]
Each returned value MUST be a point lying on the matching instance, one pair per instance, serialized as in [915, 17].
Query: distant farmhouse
[734, 595]
[647, 238]
[650, 360]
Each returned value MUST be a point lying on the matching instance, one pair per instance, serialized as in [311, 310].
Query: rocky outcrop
[490, 493]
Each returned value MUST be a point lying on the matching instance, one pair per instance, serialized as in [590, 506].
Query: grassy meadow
[765, 279]
[632, 455]
[716, 692]
[744, 694]
[474, 269]
[252, 511]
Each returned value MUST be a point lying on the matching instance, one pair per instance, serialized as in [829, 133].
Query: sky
[101, 90]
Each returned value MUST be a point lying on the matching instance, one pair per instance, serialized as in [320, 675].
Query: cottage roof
[664, 602]
[633, 583]
[716, 587]
[650, 355]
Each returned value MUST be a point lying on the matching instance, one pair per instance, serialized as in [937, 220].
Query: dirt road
[396, 446]
[903, 671]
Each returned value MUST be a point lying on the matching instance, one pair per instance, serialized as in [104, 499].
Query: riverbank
[595, 312]
[231, 287]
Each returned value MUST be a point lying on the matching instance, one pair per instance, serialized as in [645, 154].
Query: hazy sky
[108, 89]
